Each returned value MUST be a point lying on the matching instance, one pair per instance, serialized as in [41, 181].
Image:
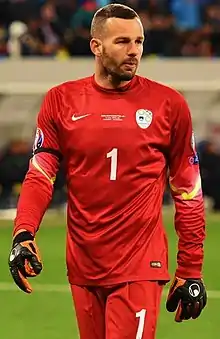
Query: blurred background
[43, 43]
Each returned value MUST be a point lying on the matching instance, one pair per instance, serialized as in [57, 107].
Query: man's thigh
[90, 312]
[132, 311]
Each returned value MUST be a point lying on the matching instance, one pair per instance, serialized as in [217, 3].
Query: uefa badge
[193, 142]
[39, 139]
[144, 118]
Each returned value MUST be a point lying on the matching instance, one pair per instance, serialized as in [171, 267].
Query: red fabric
[119, 311]
[36, 194]
[37, 190]
[184, 173]
[116, 175]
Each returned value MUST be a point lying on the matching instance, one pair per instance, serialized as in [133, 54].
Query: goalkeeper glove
[24, 260]
[187, 297]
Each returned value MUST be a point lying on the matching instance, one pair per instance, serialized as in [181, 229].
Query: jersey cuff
[189, 272]
[26, 228]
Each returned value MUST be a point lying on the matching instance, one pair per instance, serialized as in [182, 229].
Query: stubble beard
[114, 71]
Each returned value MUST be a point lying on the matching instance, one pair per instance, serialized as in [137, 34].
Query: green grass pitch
[48, 313]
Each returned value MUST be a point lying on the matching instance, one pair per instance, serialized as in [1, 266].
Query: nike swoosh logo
[79, 117]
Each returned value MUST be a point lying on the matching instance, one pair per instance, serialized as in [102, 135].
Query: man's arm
[37, 188]
[187, 295]
[36, 194]
[185, 184]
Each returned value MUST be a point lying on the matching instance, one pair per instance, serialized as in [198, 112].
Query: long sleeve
[37, 188]
[185, 183]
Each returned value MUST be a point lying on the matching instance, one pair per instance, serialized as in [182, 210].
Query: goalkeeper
[118, 134]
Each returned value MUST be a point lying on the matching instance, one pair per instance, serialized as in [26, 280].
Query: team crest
[39, 139]
[144, 118]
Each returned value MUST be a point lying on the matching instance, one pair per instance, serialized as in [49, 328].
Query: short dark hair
[111, 11]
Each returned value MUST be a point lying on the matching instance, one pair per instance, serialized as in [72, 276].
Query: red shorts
[125, 311]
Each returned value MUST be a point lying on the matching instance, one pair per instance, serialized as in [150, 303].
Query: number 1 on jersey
[113, 154]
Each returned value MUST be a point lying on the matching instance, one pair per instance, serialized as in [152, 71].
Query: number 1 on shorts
[141, 315]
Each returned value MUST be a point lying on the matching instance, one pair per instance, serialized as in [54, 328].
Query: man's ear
[96, 47]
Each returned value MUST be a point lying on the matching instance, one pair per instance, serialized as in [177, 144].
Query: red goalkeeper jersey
[118, 147]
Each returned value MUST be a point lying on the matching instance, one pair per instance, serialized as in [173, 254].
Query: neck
[107, 81]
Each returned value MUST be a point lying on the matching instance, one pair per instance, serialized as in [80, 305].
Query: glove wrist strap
[23, 236]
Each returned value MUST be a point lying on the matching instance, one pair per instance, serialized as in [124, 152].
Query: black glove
[24, 260]
[188, 297]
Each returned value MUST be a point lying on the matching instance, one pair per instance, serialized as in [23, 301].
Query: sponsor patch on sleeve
[194, 160]
[39, 139]
[193, 142]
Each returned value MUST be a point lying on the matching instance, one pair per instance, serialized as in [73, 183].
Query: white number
[140, 329]
[113, 154]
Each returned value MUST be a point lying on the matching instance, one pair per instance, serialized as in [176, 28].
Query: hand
[24, 260]
[187, 297]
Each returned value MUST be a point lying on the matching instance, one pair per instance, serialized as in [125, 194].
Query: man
[118, 133]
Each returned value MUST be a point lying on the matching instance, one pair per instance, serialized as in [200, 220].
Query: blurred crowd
[15, 157]
[60, 28]
[14, 163]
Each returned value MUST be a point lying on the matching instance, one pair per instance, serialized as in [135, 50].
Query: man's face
[122, 47]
